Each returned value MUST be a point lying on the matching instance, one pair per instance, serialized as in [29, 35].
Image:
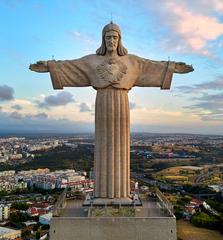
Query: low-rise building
[9, 234]
[15, 157]
[9, 184]
[45, 219]
[32, 212]
[4, 212]
[7, 173]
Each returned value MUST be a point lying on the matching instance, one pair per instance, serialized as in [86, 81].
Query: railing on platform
[165, 204]
[60, 204]
[160, 208]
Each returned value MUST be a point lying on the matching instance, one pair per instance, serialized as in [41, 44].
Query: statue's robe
[112, 79]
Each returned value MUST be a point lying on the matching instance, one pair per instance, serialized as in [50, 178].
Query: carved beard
[111, 70]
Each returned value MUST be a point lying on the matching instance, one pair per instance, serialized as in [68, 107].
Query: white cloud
[216, 84]
[23, 102]
[75, 34]
[83, 37]
[16, 107]
[6, 93]
[132, 105]
[84, 107]
[196, 29]
[40, 123]
[60, 99]
[159, 116]
[192, 25]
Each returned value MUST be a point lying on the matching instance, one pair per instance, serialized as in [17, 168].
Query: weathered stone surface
[113, 228]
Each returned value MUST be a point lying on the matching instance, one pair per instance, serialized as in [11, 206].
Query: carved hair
[121, 50]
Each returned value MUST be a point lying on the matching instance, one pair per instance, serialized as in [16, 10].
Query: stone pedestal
[110, 228]
[148, 221]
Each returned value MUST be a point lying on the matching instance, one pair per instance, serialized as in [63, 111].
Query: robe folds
[112, 78]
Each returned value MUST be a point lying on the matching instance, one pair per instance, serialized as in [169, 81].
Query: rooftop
[4, 231]
[154, 206]
[149, 209]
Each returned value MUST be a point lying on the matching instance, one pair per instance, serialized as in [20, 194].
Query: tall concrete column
[112, 145]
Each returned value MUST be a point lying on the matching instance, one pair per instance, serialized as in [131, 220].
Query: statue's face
[111, 40]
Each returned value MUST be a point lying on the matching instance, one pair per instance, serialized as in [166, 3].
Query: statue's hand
[40, 66]
[181, 67]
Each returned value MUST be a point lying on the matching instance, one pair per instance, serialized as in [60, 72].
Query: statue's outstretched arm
[159, 73]
[40, 66]
[67, 73]
[181, 67]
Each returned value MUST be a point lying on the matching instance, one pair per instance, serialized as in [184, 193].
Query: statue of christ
[112, 72]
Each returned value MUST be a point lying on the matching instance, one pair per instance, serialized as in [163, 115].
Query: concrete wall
[113, 228]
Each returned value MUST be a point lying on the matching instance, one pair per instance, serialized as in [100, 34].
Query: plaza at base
[112, 202]
[152, 221]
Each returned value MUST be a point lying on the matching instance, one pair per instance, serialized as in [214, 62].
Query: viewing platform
[153, 220]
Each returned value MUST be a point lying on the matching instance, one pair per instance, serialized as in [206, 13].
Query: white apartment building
[7, 173]
[9, 234]
[4, 212]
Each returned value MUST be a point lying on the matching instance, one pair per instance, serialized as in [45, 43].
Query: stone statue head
[121, 50]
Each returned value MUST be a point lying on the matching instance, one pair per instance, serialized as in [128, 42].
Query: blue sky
[186, 31]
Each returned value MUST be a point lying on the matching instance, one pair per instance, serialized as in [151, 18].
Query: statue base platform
[112, 202]
[150, 221]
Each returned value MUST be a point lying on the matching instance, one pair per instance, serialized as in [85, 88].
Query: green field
[186, 231]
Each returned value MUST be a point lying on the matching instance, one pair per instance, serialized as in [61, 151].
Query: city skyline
[189, 32]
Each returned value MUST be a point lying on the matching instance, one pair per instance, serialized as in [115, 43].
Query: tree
[20, 206]
[45, 227]
[18, 217]
[38, 235]
[206, 221]
[178, 212]
[35, 227]
[26, 233]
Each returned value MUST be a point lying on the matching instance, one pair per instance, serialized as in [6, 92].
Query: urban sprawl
[186, 168]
